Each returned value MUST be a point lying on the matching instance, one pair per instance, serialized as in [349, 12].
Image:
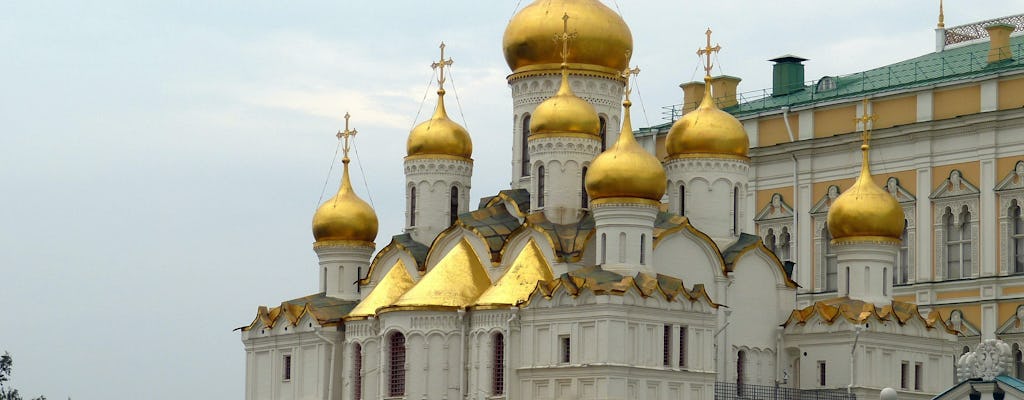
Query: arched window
[525, 143]
[831, 262]
[885, 281]
[453, 207]
[412, 206]
[604, 248]
[741, 363]
[769, 240]
[1017, 236]
[603, 132]
[682, 199]
[584, 200]
[958, 244]
[736, 211]
[1018, 362]
[902, 272]
[357, 372]
[396, 365]
[540, 186]
[622, 247]
[498, 372]
[643, 248]
[784, 244]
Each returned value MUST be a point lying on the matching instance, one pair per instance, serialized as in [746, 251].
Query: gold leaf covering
[390, 288]
[858, 312]
[707, 131]
[456, 281]
[516, 285]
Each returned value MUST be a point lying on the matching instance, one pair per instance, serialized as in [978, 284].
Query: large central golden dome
[602, 38]
[866, 210]
[707, 131]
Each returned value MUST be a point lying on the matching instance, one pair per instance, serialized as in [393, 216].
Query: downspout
[508, 337]
[330, 379]
[794, 236]
[856, 336]
[462, 353]
[714, 339]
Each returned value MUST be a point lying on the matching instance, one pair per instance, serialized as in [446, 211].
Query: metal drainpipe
[793, 237]
[856, 337]
[508, 337]
[334, 348]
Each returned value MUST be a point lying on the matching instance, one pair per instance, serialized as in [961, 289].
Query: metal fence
[736, 391]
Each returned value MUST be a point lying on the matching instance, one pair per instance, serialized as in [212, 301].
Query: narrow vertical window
[918, 376]
[958, 244]
[1018, 362]
[286, 367]
[604, 248]
[821, 373]
[682, 347]
[584, 200]
[498, 372]
[603, 132]
[904, 375]
[525, 143]
[831, 262]
[357, 372]
[540, 186]
[965, 242]
[736, 211]
[902, 273]
[741, 364]
[666, 349]
[453, 206]
[682, 199]
[643, 248]
[784, 245]
[1017, 238]
[396, 365]
[885, 281]
[769, 240]
[622, 247]
[566, 348]
[412, 206]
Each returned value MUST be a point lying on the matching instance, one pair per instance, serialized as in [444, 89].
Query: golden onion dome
[626, 169]
[345, 217]
[565, 113]
[602, 38]
[865, 210]
[707, 131]
[439, 136]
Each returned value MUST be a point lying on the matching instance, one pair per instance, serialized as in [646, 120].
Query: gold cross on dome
[564, 37]
[627, 73]
[867, 120]
[344, 136]
[706, 52]
[441, 64]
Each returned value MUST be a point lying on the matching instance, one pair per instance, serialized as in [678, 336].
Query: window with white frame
[902, 272]
[1011, 227]
[1016, 239]
[784, 243]
[830, 266]
[396, 365]
[958, 243]
[956, 202]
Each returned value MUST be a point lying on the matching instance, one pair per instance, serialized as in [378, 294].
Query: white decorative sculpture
[990, 359]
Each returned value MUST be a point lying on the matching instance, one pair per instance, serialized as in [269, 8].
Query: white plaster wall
[709, 194]
[684, 256]
[624, 236]
[340, 268]
[433, 179]
[563, 159]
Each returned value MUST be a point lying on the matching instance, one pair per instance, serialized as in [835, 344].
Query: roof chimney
[693, 92]
[723, 89]
[999, 42]
[787, 75]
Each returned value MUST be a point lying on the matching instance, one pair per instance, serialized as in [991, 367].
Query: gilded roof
[494, 224]
[390, 288]
[520, 280]
[326, 310]
[858, 311]
[746, 243]
[600, 282]
[456, 281]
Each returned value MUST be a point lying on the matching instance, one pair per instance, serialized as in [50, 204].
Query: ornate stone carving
[990, 359]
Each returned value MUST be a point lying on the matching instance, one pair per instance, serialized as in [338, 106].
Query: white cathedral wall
[433, 179]
[709, 194]
[681, 255]
[310, 365]
[563, 159]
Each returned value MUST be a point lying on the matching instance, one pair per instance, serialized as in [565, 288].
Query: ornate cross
[627, 73]
[344, 136]
[564, 37]
[441, 64]
[706, 52]
[865, 119]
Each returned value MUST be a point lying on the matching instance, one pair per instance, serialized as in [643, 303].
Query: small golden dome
[865, 210]
[602, 37]
[565, 113]
[439, 136]
[626, 169]
[707, 131]
[345, 217]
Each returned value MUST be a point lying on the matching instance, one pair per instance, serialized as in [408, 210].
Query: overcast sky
[160, 162]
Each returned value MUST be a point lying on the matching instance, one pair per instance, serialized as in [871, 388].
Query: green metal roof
[949, 65]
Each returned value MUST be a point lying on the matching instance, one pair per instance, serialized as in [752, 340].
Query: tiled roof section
[570, 239]
[740, 246]
[601, 282]
[494, 224]
[518, 197]
[416, 249]
[666, 220]
[327, 311]
[858, 312]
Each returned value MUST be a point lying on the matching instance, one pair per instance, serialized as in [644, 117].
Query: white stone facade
[429, 184]
[712, 192]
